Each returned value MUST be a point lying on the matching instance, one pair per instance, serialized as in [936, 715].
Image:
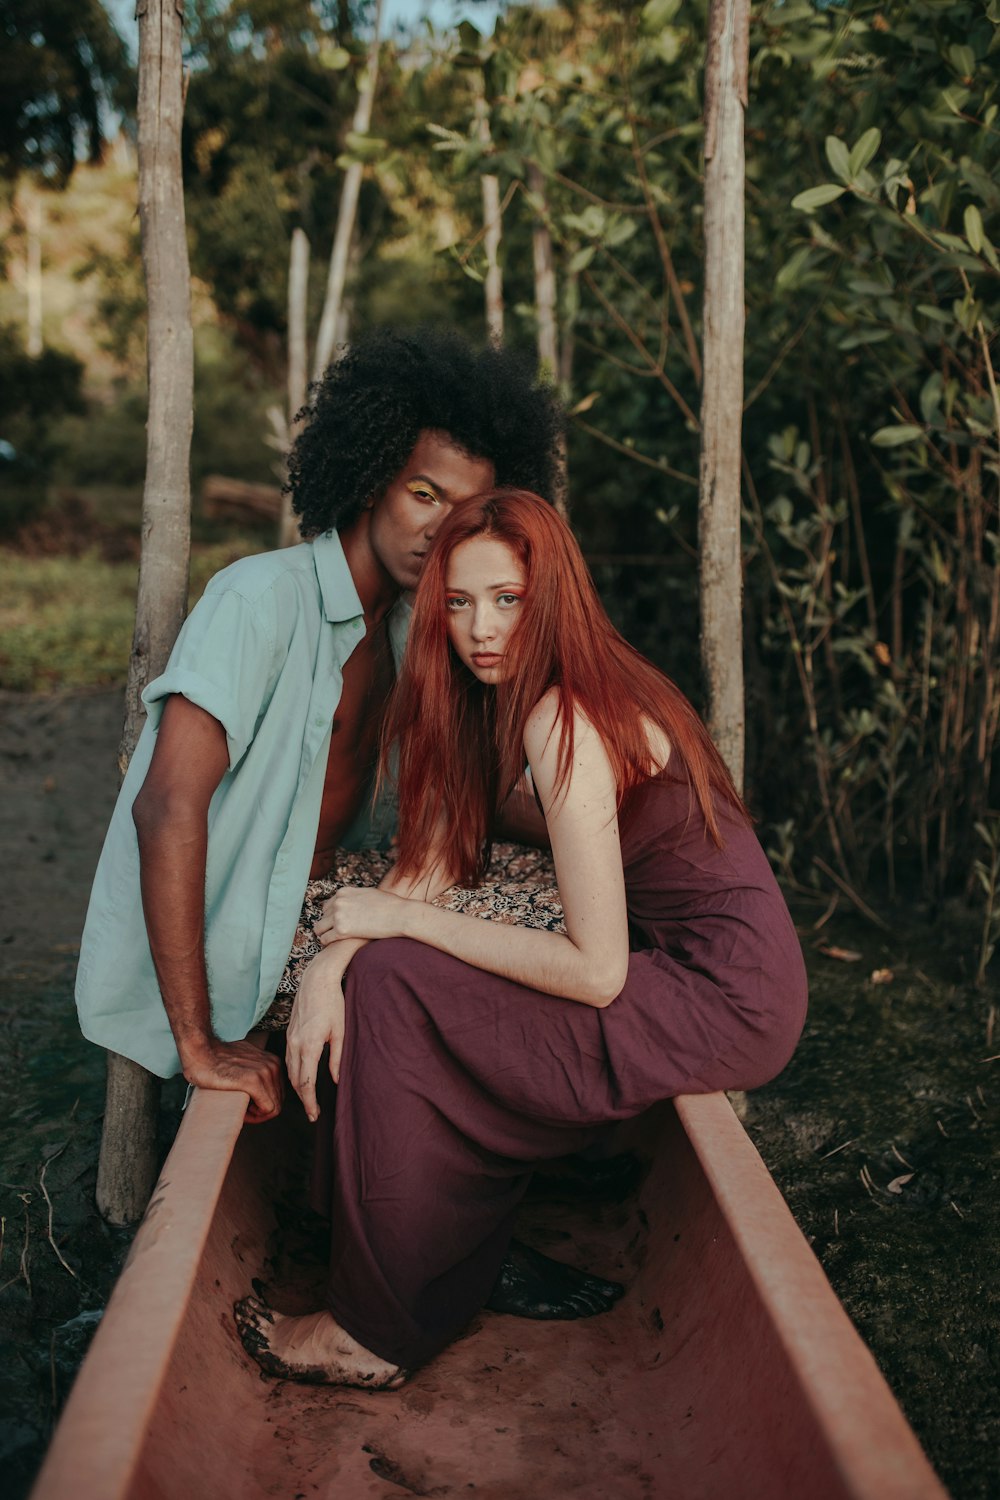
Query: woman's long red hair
[461, 743]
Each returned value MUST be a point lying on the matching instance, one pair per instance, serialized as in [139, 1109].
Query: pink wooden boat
[729, 1371]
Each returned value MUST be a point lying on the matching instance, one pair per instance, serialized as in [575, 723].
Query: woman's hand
[317, 1021]
[365, 913]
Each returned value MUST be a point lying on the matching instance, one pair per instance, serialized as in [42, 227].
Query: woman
[473, 1051]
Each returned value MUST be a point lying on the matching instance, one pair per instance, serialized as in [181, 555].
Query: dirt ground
[884, 1133]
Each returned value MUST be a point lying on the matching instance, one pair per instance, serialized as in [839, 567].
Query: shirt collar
[340, 596]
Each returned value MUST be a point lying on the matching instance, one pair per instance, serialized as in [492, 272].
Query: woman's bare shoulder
[544, 726]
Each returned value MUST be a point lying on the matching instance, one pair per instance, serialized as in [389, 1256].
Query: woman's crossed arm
[590, 962]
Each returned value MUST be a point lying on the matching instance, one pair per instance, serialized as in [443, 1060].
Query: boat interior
[728, 1369]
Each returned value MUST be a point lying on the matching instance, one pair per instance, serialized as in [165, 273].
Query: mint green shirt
[263, 652]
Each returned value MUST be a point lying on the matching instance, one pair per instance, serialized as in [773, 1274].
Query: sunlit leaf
[816, 197]
[895, 437]
[838, 157]
[864, 150]
[973, 221]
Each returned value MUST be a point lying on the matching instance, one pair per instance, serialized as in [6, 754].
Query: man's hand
[364, 913]
[317, 1021]
[238, 1066]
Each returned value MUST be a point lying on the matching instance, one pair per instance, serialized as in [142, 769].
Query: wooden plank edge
[99, 1437]
[869, 1438]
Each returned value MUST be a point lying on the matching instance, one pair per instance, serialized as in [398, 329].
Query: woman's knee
[384, 976]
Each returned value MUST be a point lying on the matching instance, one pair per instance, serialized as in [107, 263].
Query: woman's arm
[590, 962]
[317, 1018]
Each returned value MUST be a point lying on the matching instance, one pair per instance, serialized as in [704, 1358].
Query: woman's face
[484, 587]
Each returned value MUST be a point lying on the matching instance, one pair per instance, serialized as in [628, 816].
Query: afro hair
[374, 401]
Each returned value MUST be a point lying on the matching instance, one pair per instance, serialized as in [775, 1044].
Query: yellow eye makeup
[422, 489]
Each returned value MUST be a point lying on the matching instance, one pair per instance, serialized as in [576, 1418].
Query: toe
[251, 1314]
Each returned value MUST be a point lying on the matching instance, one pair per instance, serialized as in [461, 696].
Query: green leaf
[866, 336]
[936, 314]
[962, 59]
[334, 58]
[864, 150]
[816, 197]
[954, 99]
[894, 437]
[973, 221]
[581, 259]
[657, 14]
[792, 271]
[930, 396]
[838, 157]
[362, 148]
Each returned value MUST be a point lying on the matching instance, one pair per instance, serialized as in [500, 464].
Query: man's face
[436, 476]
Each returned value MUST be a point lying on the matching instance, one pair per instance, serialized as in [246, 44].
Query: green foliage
[271, 94]
[35, 391]
[987, 873]
[62, 63]
[67, 622]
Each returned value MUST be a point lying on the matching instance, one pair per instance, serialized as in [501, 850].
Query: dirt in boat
[883, 1134]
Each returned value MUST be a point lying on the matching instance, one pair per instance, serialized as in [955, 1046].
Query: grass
[66, 623]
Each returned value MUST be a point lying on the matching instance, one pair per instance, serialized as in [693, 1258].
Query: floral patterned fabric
[519, 890]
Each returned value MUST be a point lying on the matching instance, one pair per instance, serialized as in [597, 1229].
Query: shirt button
[318, 722]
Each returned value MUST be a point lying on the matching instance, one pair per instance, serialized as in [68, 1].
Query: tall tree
[348, 207]
[127, 1166]
[720, 556]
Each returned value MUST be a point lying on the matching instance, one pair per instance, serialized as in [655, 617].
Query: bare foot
[313, 1348]
[532, 1285]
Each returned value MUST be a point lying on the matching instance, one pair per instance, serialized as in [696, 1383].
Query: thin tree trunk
[545, 277]
[545, 309]
[347, 211]
[298, 361]
[492, 235]
[345, 313]
[33, 224]
[720, 562]
[127, 1168]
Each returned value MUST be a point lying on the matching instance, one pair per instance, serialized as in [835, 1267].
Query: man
[257, 757]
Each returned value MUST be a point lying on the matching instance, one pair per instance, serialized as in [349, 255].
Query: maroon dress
[455, 1082]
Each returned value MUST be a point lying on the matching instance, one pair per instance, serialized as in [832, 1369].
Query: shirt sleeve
[223, 661]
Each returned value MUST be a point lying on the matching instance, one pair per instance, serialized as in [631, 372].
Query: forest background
[871, 434]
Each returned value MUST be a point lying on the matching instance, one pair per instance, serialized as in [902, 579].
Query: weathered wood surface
[720, 560]
[127, 1167]
[728, 1369]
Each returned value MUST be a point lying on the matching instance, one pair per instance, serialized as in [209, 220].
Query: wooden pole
[33, 224]
[545, 277]
[492, 234]
[720, 561]
[545, 310]
[298, 362]
[128, 1161]
[347, 212]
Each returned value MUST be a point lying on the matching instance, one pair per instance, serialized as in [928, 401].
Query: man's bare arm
[171, 819]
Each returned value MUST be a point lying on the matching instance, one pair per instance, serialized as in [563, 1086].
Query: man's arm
[171, 819]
